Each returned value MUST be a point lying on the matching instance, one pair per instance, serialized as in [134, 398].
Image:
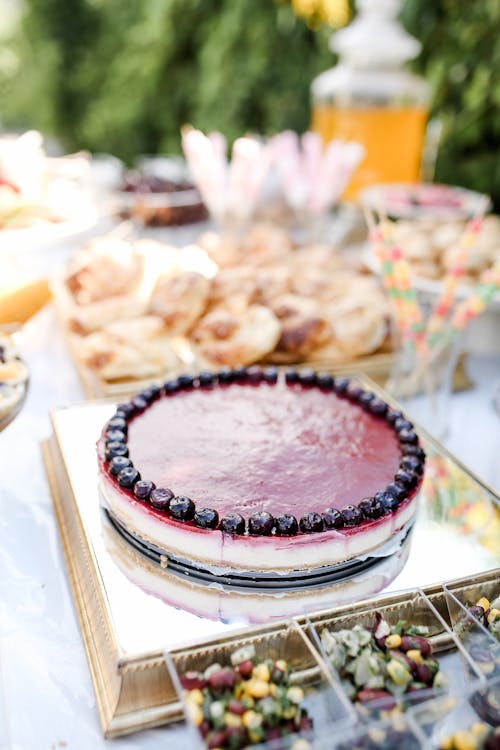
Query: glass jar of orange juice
[369, 97]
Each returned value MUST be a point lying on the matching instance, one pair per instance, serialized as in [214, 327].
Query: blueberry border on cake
[119, 466]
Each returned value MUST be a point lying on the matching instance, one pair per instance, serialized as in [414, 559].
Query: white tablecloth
[46, 697]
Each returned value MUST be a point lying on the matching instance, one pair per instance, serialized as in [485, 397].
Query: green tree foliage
[461, 59]
[123, 77]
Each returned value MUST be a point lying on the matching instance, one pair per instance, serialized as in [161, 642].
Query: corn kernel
[195, 713]
[251, 719]
[479, 728]
[415, 655]
[398, 673]
[282, 664]
[447, 743]
[261, 672]
[393, 641]
[295, 694]
[493, 615]
[465, 740]
[195, 696]
[232, 720]
[239, 690]
[484, 603]
[257, 688]
[377, 735]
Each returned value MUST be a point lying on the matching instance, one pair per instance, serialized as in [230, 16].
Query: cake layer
[267, 553]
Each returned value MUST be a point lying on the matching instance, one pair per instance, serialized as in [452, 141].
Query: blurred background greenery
[123, 77]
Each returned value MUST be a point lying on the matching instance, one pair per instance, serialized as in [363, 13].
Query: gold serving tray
[126, 629]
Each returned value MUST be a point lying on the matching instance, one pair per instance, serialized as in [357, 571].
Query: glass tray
[126, 627]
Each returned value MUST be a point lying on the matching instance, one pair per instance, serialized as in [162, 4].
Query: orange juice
[392, 136]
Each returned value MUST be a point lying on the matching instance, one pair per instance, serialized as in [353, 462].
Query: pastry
[229, 337]
[135, 348]
[268, 474]
[180, 298]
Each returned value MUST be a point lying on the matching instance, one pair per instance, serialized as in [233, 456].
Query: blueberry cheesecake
[251, 469]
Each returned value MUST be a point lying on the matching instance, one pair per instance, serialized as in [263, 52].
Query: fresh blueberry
[413, 450]
[118, 463]
[366, 398]
[154, 391]
[182, 508]
[341, 385]
[127, 409]
[332, 518]
[185, 380]
[311, 522]
[255, 374]
[286, 525]
[225, 375]
[307, 377]
[146, 395]
[139, 402]
[325, 381]
[407, 436]
[371, 508]
[143, 489]
[377, 508]
[171, 386]
[206, 518]
[240, 374]
[366, 506]
[398, 490]
[115, 449]
[128, 477]
[407, 478]
[160, 498]
[115, 436]
[387, 501]
[271, 374]
[233, 523]
[291, 375]
[117, 423]
[206, 378]
[403, 424]
[354, 391]
[377, 407]
[412, 463]
[352, 515]
[261, 523]
[392, 415]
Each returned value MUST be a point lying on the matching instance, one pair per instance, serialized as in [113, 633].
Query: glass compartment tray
[126, 627]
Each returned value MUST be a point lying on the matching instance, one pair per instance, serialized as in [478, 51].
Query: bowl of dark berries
[160, 193]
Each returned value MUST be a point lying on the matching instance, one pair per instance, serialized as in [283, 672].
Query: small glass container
[457, 669]
[369, 97]
[324, 703]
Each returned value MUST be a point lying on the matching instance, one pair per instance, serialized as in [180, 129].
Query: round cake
[259, 473]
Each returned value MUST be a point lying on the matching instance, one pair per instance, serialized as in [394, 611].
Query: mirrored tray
[129, 615]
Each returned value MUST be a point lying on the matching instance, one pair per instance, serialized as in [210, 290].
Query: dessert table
[46, 695]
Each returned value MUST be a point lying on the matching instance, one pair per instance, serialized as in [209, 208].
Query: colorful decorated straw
[396, 278]
[444, 304]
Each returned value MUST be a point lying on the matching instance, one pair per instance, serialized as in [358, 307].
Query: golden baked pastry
[180, 298]
[128, 349]
[224, 337]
